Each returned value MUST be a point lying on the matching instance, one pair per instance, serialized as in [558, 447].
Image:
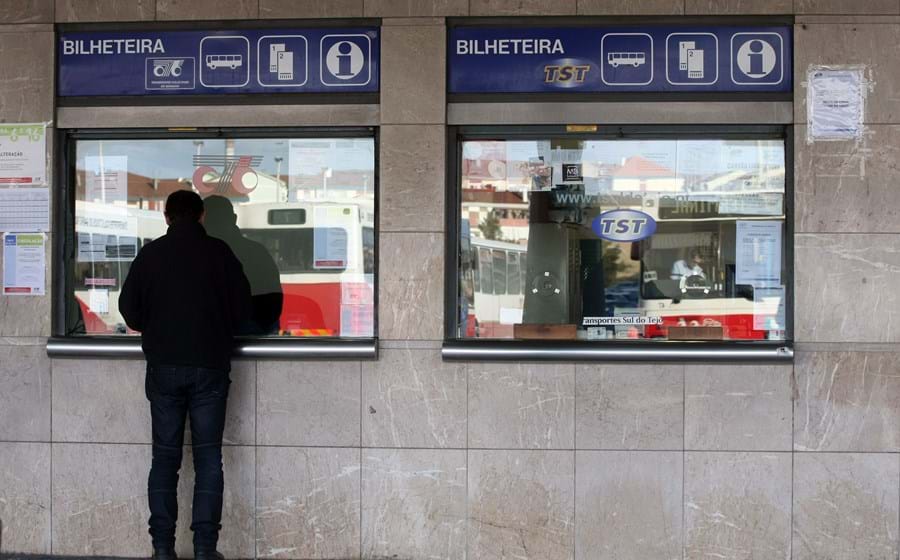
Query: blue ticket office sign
[219, 62]
[620, 59]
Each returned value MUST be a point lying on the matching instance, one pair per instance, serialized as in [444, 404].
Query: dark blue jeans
[174, 392]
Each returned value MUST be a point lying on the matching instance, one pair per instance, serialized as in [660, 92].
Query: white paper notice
[835, 104]
[758, 258]
[106, 178]
[98, 301]
[768, 308]
[98, 247]
[510, 316]
[23, 264]
[357, 320]
[25, 209]
[23, 154]
[309, 157]
[329, 239]
[752, 204]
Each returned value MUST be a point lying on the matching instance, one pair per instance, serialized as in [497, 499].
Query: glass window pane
[662, 239]
[297, 212]
[499, 257]
[515, 280]
[487, 270]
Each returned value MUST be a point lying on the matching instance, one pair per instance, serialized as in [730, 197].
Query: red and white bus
[324, 252]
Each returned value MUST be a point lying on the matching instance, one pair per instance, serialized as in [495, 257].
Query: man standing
[187, 294]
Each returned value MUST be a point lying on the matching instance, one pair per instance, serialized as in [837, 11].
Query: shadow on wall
[260, 268]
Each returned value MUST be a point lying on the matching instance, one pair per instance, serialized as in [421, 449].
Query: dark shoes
[164, 554]
[169, 554]
[208, 555]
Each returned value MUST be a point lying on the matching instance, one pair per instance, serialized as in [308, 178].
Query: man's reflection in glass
[259, 267]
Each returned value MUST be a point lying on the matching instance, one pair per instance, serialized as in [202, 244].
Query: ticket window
[628, 234]
[296, 208]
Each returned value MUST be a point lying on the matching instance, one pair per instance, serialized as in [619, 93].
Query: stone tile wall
[411, 457]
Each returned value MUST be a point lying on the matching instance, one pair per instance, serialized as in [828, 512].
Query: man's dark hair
[184, 206]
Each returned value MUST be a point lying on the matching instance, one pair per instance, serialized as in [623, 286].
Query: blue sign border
[219, 62]
[620, 59]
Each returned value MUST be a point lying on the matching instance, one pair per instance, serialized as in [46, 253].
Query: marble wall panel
[240, 420]
[522, 406]
[521, 505]
[737, 407]
[25, 316]
[26, 11]
[847, 401]
[870, 44]
[25, 498]
[629, 505]
[629, 407]
[102, 401]
[845, 505]
[738, 7]
[100, 500]
[845, 7]
[630, 7]
[309, 403]
[236, 540]
[844, 187]
[410, 286]
[411, 398]
[521, 7]
[411, 178]
[307, 503]
[206, 9]
[24, 393]
[737, 505]
[416, 8]
[291, 9]
[72, 11]
[845, 287]
[413, 74]
[414, 504]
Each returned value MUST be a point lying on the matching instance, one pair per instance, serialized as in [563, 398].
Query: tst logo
[565, 73]
[236, 173]
[624, 225]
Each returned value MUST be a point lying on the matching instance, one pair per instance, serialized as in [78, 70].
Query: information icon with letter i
[757, 59]
[346, 60]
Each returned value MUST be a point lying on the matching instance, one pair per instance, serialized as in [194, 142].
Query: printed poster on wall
[106, 179]
[23, 154]
[758, 253]
[24, 209]
[24, 261]
[834, 103]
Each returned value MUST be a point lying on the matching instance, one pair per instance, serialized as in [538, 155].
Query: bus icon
[232, 61]
[626, 58]
[224, 61]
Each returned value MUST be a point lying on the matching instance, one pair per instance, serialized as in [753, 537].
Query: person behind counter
[691, 267]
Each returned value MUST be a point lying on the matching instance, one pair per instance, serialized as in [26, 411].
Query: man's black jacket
[187, 294]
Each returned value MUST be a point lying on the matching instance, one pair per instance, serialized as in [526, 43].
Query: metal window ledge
[554, 351]
[251, 349]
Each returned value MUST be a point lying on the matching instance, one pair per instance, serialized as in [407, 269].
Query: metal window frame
[462, 349]
[66, 345]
